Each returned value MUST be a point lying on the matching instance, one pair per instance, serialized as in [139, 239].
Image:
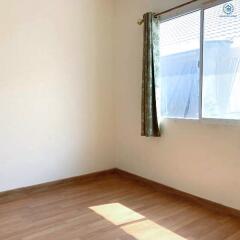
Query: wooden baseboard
[180, 194]
[25, 191]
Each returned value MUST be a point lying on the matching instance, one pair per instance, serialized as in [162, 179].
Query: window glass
[221, 61]
[179, 61]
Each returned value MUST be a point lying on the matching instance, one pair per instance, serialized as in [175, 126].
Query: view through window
[180, 58]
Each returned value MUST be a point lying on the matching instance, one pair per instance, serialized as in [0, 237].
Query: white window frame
[198, 6]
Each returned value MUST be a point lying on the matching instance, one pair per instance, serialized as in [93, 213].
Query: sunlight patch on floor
[117, 213]
[148, 230]
[133, 223]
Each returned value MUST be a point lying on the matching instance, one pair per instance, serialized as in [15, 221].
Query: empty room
[119, 120]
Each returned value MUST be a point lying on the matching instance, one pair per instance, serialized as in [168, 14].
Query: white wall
[200, 158]
[57, 102]
[56, 99]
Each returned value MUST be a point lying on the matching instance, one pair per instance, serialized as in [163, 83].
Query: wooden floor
[110, 207]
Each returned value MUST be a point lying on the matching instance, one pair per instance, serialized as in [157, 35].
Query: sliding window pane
[180, 52]
[221, 61]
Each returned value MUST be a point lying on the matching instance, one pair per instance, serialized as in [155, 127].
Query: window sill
[210, 121]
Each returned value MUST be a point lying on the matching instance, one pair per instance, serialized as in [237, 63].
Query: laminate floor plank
[109, 208]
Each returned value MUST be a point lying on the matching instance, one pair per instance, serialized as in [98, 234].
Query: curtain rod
[140, 21]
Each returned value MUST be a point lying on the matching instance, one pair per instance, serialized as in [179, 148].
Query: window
[207, 85]
[180, 47]
[221, 71]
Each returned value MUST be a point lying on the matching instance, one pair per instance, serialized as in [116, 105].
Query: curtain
[150, 78]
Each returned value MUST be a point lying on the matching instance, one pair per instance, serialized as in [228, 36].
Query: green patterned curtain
[150, 78]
